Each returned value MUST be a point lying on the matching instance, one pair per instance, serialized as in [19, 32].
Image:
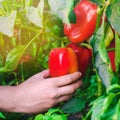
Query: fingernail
[79, 73]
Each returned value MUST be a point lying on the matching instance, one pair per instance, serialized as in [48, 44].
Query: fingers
[69, 89]
[63, 98]
[67, 79]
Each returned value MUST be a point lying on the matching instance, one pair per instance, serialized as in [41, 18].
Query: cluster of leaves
[28, 32]
[30, 29]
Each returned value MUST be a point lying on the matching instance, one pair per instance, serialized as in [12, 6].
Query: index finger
[67, 79]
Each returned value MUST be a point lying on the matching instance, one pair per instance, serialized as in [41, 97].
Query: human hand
[39, 93]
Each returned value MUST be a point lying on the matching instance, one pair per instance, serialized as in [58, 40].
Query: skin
[38, 93]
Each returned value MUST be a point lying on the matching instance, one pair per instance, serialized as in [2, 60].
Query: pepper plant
[31, 29]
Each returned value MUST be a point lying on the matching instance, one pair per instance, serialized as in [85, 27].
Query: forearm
[7, 98]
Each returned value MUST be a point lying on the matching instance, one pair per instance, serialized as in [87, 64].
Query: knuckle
[53, 95]
[52, 103]
[53, 83]
[69, 80]
[72, 89]
[67, 98]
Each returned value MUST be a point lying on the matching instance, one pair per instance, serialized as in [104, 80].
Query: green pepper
[109, 36]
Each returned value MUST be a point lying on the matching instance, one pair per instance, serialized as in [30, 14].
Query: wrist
[8, 96]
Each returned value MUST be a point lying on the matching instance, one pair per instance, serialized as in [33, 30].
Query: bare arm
[38, 93]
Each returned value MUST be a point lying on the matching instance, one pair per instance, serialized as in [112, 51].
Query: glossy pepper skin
[62, 61]
[86, 18]
[83, 55]
[111, 55]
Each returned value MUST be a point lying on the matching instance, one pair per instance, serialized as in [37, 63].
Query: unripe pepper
[109, 36]
[86, 19]
[84, 55]
[62, 61]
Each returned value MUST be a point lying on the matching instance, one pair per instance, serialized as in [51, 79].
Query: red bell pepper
[84, 55]
[111, 55]
[62, 61]
[86, 19]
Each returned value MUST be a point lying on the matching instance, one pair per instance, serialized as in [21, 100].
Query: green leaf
[7, 24]
[63, 9]
[114, 88]
[59, 117]
[74, 105]
[35, 15]
[113, 15]
[112, 113]
[118, 111]
[99, 2]
[107, 102]
[101, 60]
[101, 48]
[39, 117]
[104, 108]
[12, 59]
[52, 114]
[54, 110]
[96, 108]
[2, 116]
[1, 60]
[117, 52]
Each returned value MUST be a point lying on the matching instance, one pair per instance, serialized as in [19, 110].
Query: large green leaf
[12, 59]
[96, 108]
[113, 15]
[35, 15]
[7, 24]
[74, 105]
[101, 60]
[107, 107]
[63, 9]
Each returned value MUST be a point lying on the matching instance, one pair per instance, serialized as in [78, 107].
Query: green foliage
[74, 105]
[7, 24]
[117, 53]
[101, 60]
[34, 27]
[12, 59]
[52, 114]
[99, 2]
[2, 116]
[107, 107]
[113, 15]
[65, 13]
[35, 15]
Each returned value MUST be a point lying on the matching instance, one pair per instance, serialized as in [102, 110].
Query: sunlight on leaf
[12, 59]
[7, 24]
[35, 15]
[63, 9]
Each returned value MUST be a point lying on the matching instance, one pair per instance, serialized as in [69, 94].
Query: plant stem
[22, 72]
[32, 40]
[99, 85]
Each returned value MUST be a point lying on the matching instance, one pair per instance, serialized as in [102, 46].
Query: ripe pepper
[86, 19]
[62, 61]
[111, 55]
[84, 55]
